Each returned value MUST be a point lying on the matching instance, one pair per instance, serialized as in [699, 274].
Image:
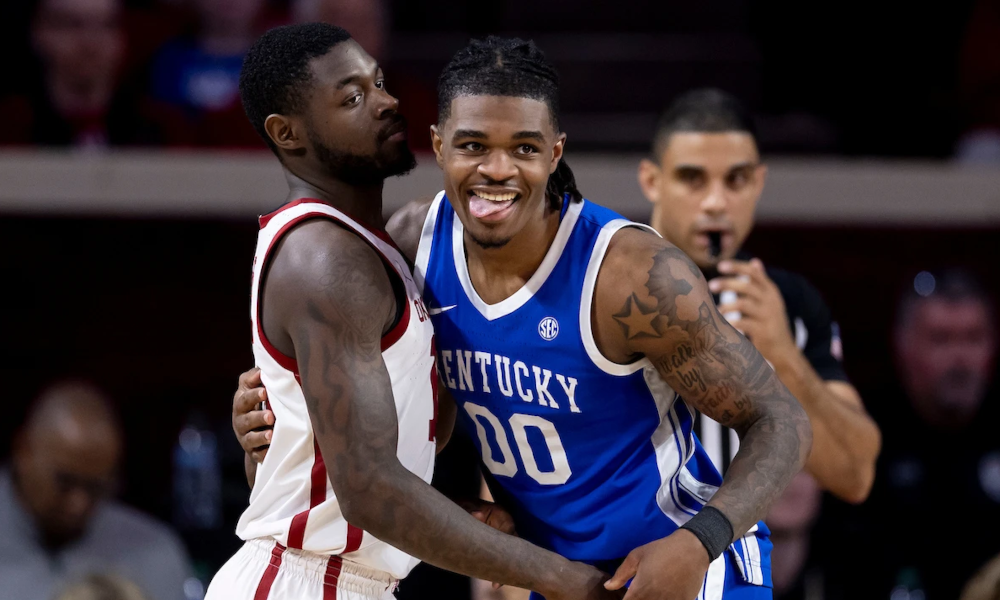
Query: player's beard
[488, 244]
[388, 161]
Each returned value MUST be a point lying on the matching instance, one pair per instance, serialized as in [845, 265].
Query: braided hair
[509, 67]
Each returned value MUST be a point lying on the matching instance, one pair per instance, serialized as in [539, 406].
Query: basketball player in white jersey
[704, 179]
[341, 507]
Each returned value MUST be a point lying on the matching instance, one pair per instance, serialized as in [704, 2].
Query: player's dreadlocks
[514, 68]
[276, 69]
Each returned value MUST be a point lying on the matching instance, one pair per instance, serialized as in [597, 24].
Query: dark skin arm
[252, 424]
[652, 301]
[327, 301]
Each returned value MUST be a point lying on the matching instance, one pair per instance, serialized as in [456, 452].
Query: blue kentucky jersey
[592, 458]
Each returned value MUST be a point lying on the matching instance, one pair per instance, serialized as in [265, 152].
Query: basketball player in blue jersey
[567, 336]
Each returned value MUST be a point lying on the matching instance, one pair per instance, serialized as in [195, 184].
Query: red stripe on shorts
[267, 579]
[331, 577]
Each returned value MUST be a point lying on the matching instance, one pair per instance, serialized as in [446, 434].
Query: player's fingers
[249, 421]
[625, 572]
[255, 439]
[501, 521]
[258, 455]
[247, 399]
[479, 515]
[250, 379]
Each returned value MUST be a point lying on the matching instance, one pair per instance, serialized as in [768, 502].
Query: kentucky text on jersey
[592, 458]
[530, 382]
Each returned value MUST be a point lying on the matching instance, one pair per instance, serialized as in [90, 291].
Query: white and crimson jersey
[292, 501]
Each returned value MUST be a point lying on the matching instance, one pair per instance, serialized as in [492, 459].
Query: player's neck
[361, 203]
[517, 260]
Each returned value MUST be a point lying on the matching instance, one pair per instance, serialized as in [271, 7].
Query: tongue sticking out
[481, 208]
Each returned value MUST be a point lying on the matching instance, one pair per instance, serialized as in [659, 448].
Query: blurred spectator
[932, 516]
[367, 20]
[200, 74]
[78, 98]
[57, 519]
[979, 83]
[796, 574]
[102, 587]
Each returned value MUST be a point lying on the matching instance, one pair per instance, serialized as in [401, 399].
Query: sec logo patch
[548, 328]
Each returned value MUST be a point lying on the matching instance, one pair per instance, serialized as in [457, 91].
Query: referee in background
[704, 179]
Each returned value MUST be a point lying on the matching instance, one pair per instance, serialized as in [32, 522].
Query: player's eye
[472, 146]
[526, 149]
[353, 100]
[691, 177]
[380, 84]
[738, 179]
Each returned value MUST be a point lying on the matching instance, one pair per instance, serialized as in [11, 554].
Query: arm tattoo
[336, 328]
[720, 372]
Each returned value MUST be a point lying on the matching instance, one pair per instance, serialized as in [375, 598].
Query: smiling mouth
[488, 206]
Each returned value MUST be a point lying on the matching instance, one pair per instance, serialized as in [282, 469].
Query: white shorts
[264, 569]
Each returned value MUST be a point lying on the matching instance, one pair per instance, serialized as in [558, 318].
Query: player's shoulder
[634, 247]
[406, 225]
[319, 253]
[636, 256]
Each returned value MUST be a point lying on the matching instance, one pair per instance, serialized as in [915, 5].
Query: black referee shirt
[816, 335]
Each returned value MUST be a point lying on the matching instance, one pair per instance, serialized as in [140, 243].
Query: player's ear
[282, 132]
[761, 175]
[557, 152]
[649, 179]
[437, 143]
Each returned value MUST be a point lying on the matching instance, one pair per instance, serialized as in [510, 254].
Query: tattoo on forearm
[349, 397]
[723, 375]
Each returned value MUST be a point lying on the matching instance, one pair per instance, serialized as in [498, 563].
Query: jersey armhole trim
[387, 340]
[587, 300]
[426, 242]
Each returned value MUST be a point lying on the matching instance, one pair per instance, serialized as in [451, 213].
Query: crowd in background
[103, 73]
[92, 73]
[167, 76]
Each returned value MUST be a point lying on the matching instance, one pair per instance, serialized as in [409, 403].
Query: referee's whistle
[714, 244]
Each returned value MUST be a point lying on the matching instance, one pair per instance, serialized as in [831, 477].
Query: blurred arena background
[128, 209]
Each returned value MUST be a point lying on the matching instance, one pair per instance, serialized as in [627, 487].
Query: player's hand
[672, 568]
[758, 300]
[253, 427]
[493, 515]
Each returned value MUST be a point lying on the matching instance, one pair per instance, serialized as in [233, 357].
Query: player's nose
[387, 104]
[715, 201]
[497, 166]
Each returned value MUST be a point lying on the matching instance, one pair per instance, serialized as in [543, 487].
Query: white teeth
[496, 197]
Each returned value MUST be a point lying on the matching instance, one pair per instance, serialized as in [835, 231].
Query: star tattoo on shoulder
[636, 319]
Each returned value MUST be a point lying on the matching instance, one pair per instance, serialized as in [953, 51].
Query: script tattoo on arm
[339, 301]
[673, 321]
